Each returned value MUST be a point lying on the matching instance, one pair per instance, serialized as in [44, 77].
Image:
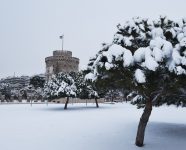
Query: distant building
[16, 82]
[61, 61]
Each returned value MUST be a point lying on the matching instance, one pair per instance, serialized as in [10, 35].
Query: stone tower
[61, 61]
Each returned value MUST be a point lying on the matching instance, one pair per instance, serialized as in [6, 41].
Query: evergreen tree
[37, 81]
[147, 58]
[85, 88]
[70, 85]
[5, 90]
[61, 85]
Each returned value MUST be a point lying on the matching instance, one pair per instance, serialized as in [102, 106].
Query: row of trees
[147, 58]
[34, 90]
[73, 85]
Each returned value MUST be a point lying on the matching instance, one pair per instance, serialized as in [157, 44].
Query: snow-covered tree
[5, 90]
[60, 85]
[37, 81]
[69, 85]
[147, 57]
[85, 88]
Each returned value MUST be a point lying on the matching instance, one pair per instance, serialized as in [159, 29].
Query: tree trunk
[66, 103]
[47, 102]
[143, 123]
[96, 102]
[31, 103]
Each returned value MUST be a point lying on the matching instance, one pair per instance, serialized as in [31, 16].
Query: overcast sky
[30, 29]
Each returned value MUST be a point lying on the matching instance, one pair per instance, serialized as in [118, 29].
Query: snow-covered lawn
[110, 127]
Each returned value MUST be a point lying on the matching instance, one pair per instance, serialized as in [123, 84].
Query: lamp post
[62, 39]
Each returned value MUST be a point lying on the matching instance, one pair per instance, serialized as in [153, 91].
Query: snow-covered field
[110, 127]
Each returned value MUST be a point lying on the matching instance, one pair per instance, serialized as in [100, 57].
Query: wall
[61, 61]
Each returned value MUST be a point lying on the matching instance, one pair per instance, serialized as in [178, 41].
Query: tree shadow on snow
[75, 108]
[163, 136]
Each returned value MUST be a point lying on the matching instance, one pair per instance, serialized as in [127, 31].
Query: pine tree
[37, 81]
[64, 85]
[61, 85]
[85, 88]
[147, 58]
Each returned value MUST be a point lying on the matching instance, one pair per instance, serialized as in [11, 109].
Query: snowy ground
[110, 127]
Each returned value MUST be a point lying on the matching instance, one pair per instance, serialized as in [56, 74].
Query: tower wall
[61, 61]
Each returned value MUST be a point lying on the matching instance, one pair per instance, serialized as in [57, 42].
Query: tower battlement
[61, 61]
[62, 53]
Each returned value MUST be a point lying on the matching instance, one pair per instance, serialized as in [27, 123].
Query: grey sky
[30, 29]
